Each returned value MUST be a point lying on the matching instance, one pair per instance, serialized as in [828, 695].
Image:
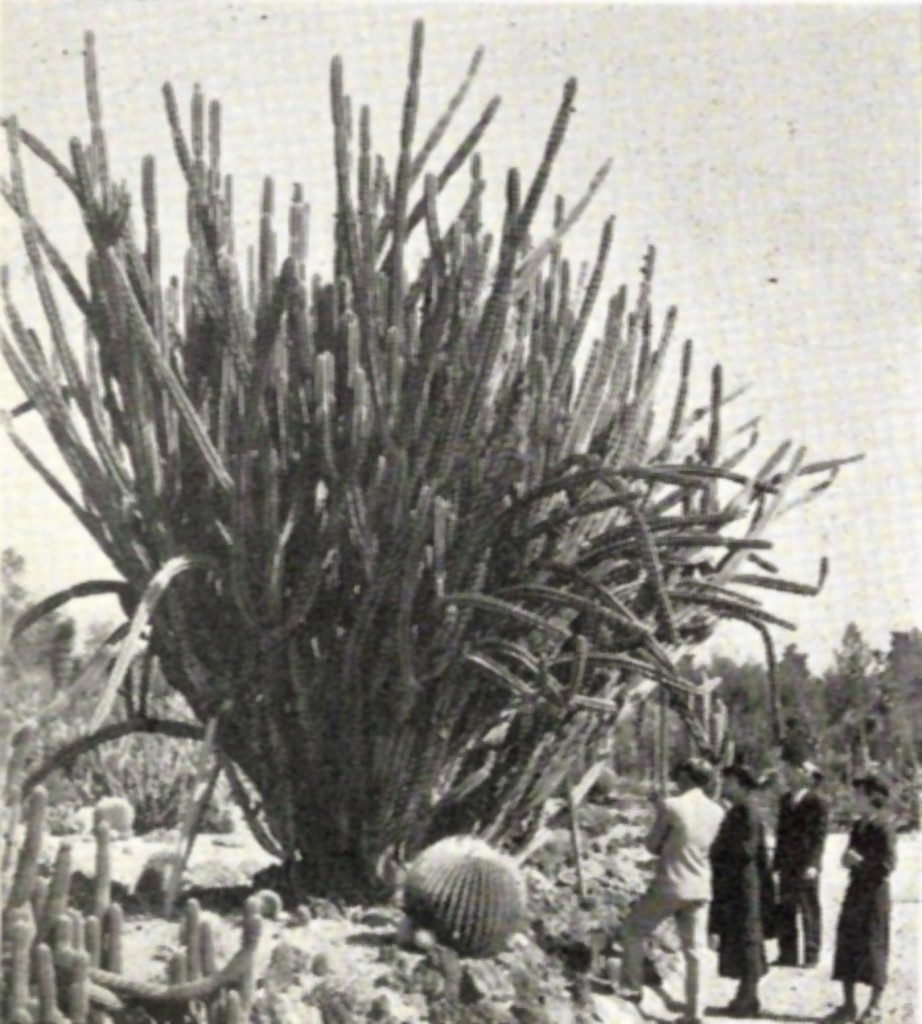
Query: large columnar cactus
[376, 521]
[58, 966]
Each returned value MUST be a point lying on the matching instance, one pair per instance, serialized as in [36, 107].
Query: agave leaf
[133, 641]
[89, 588]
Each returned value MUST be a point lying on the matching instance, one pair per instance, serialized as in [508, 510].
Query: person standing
[681, 837]
[803, 822]
[743, 893]
[863, 933]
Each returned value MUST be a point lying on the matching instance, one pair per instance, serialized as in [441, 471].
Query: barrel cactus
[471, 897]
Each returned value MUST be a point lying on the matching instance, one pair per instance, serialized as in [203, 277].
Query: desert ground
[351, 949]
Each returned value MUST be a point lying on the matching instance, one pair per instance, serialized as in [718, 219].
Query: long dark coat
[743, 893]
[863, 935]
[801, 834]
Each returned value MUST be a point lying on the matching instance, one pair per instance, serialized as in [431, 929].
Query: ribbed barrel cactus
[469, 895]
[372, 522]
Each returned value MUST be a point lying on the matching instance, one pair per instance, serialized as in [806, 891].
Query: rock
[301, 915]
[484, 979]
[325, 909]
[149, 889]
[612, 1010]
[272, 1007]
[380, 1009]
[82, 893]
[337, 1006]
[378, 917]
[532, 1013]
[287, 965]
[320, 965]
[446, 963]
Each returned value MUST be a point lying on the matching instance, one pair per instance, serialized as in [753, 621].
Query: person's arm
[851, 857]
[817, 829]
[880, 859]
[656, 837]
[780, 850]
[750, 834]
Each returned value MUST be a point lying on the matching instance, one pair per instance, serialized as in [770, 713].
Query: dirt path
[810, 995]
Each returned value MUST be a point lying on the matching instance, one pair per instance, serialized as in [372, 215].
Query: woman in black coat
[863, 935]
[743, 893]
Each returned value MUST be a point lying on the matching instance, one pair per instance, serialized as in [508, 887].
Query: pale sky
[771, 154]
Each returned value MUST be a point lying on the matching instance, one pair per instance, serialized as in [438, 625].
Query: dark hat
[743, 775]
[795, 750]
[871, 783]
[696, 769]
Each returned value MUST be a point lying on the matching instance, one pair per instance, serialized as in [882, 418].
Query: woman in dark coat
[743, 893]
[863, 935]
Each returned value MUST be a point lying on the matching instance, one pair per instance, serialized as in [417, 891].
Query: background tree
[38, 662]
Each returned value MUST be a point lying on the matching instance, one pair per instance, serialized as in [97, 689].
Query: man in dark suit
[803, 821]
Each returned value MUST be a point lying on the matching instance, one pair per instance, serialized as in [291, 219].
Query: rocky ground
[326, 964]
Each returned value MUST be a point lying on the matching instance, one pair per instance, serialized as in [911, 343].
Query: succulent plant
[470, 896]
[57, 964]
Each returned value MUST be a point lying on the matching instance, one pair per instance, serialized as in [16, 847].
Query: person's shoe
[872, 1015]
[629, 995]
[686, 1019]
[651, 975]
[739, 1011]
[842, 1015]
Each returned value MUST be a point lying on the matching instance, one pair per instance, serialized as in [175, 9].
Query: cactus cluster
[371, 517]
[63, 967]
[471, 897]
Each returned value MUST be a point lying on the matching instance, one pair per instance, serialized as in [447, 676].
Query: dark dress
[799, 844]
[743, 893]
[863, 935]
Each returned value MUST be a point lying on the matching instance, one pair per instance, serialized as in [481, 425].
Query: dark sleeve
[717, 912]
[781, 835]
[751, 839]
[751, 833]
[880, 859]
[878, 851]
[816, 830]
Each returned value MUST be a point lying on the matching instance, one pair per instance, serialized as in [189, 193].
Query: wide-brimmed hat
[743, 775]
[872, 782]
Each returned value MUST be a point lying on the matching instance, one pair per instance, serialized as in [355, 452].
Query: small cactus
[66, 967]
[117, 813]
[270, 904]
[469, 895]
